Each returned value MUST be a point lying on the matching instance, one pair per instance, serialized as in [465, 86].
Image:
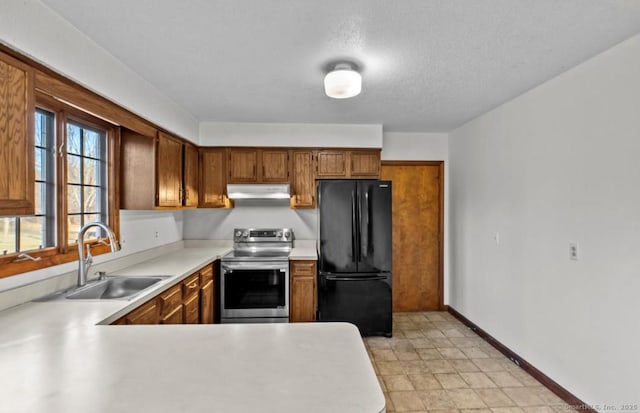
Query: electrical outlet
[573, 251]
[156, 235]
[497, 238]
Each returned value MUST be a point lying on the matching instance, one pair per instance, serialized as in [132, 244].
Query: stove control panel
[262, 234]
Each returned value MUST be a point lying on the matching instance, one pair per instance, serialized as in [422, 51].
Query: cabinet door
[190, 176]
[169, 166]
[303, 185]
[213, 172]
[173, 317]
[275, 165]
[170, 299]
[303, 291]
[243, 165]
[17, 154]
[191, 309]
[147, 313]
[332, 164]
[365, 164]
[206, 303]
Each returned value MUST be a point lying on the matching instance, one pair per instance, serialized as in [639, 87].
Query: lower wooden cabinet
[190, 302]
[303, 287]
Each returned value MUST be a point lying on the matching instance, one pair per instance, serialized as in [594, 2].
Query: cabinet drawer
[190, 285]
[173, 317]
[191, 309]
[304, 268]
[170, 299]
[206, 274]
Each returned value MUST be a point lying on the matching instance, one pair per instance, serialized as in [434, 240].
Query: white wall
[290, 134]
[36, 31]
[424, 147]
[556, 165]
[219, 223]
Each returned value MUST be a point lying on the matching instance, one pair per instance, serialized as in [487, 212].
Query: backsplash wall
[219, 223]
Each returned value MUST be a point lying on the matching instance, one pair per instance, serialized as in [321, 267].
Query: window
[74, 154]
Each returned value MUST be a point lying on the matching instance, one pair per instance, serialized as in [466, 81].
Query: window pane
[94, 232]
[73, 139]
[40, 164]
[74, 199]
[40, 198]
[91, 199]
[91, 172]
[39, 138]
[92, 143]
[73, 227]
[73, 169]
[31, 233]
[7, 235]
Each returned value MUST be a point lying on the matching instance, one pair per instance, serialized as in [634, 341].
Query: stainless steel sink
[113, 288]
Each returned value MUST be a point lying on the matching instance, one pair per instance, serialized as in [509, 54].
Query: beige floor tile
[451, 381]
[494, 398]
[401, 344]
[397, 383]
[435, 316]
[413, 334]
[386, 368]
[538, 409]
[439, 366]
[424, 381]
[492, 352]
[436, 400]
[404, 325]
[404, 401]
[389, 407]
[504, 379]
[466, 399]
[421, 342]
[478, 380]
[463, 342]
[475, 353]
[453, 333]
[444, 411]
[547, 396]
[383, 354]
[382, 385]
[378, 342]
[464, 366]
[433, 333]
[429, 354]
[525, 378]
[452, 353]
[415, 367]
[523, 396]
[442, 342]
[476, 411]
[488, 365]
[507, 410]
[417, 317]
[406, 355]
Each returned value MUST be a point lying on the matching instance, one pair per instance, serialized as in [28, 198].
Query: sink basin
[113, 288]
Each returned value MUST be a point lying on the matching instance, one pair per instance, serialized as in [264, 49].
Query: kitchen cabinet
[191, 299]
[212, 179]
[17, 108]
[207, 295]
[348, 163]
[170, 303]
[253, 165]
[303, 291]
[147, 313]
[303, 186]
[157, 172]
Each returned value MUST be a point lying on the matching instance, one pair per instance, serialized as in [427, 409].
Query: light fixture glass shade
[342, 82]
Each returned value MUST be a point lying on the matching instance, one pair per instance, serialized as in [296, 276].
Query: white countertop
[55, 358]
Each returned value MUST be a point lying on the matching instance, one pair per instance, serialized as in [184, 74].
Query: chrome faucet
[85, 263]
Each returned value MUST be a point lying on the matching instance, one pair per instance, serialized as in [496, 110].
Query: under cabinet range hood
[258, 191]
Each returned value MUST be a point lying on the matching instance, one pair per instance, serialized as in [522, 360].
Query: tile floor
[434, 363]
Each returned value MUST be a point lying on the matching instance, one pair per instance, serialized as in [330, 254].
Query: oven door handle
[229, 267]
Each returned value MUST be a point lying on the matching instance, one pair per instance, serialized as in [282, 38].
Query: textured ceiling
[427, 65]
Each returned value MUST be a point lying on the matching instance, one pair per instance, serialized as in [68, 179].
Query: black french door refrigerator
[354, 262]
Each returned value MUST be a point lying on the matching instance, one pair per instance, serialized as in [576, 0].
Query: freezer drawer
[360, 299]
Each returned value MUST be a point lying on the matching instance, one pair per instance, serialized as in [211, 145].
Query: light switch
[573, 251]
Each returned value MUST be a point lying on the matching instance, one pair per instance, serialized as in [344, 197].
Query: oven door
[254, 290]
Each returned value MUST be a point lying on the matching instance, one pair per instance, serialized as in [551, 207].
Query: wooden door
[332, 164]
[191, 310]
[213, 173]
[303, 185]
[417, 234]
[206, 303]
[137, 171]
[302, 299]
[275, 165]
[173, 317]
[365, 164]
[17, 153]
[169, 171]
[243, 165]
[147, 313]
[190, 175]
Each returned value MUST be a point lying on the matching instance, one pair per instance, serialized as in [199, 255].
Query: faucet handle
[101, 275]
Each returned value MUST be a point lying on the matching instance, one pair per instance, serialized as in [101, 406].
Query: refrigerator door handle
[360, 278]
[354, 242]
[364, 228]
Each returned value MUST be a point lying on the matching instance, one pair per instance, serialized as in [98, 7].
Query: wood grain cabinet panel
[213, 182]
[332, 164]
[303, 299]
[17, 154]
[190, 176]
[170, 299]
[365, 164]
[206, 303]
[169, 171]
[303, 186]
[243, 165]
[275, 166]
[191, 308]
[147, 313]
[173, 317]
[137, 171]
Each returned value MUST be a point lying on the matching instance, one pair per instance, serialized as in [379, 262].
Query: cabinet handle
[192, 286]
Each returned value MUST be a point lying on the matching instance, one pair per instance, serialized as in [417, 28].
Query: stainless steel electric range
[254, 277]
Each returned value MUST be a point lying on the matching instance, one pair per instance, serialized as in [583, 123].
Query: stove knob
[245, 234]
[279, 234]
[287, 235]
[238, 234]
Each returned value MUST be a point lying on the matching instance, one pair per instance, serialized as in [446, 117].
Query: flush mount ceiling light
[343, 82]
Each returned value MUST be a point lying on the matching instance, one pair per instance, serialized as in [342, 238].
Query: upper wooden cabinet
[252, 165]
[17, 154]
[303, 186]
[160, 172]
[347, 163]
[169, 183]
[213, 178]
